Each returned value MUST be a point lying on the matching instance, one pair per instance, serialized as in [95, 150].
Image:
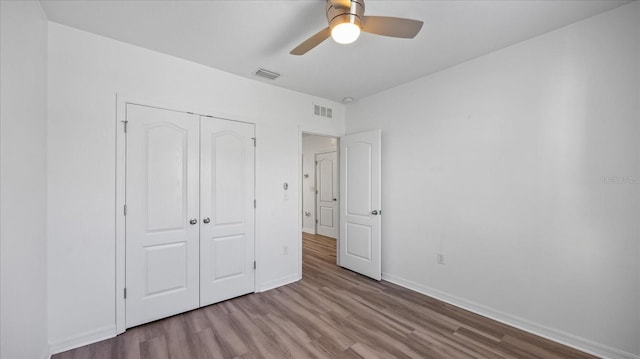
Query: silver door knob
[193, 221]
[374, 212]
[206, 220]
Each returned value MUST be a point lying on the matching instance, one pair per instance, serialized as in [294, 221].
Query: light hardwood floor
[330, 313]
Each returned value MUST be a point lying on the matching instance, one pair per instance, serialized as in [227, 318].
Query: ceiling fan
[346, 19]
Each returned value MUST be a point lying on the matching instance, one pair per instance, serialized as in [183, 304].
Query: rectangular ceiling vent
[322, 111]
[267, 74]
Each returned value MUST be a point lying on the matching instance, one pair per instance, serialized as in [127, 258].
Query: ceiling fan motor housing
[337, 13]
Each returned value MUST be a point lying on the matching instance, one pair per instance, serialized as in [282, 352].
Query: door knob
[374, 212]
[335, 199]
[193, 221]
[206, 220]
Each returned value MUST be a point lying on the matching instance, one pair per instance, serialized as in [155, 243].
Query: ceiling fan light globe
[345, 33]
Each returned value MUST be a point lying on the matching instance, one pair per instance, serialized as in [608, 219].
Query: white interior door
[360, 206]
[162, 272]
[327, 194]
[227, 210]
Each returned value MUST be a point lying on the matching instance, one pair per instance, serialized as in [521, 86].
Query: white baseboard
[99, 334]
[307, 230]
[82, 339]
[559, 336]
[46, 353]
[279, 282]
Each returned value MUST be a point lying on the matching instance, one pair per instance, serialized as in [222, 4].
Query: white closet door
[162, 199]
[227, 210]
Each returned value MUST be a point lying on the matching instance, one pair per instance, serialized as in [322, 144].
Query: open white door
[327, 194]
[360, 205]
[161, 214]
[226, 207]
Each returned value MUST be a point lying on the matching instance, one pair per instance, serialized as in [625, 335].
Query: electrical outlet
[440, 258]
[285, 251]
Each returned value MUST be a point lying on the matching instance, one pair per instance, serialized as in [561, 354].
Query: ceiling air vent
[322, 111]
[267, 74]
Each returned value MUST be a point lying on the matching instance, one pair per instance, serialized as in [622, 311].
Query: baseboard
[307, 230]
[559, 336]
[46, 353]
[85, 338]
[279, 282]
[97, 335]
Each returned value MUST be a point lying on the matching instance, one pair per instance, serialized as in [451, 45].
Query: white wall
[312, 144]
[85, 73]
[23, 242]
[505, 164]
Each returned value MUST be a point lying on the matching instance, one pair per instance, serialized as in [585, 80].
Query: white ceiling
[241, 36]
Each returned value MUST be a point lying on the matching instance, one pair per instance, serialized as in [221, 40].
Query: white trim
[307, 230]
[170, 104]
[272, 284]
[46, 352]
[256, 252]
[300, 204]
[88, 337]
[555, 335]
[120, 242]
[327, 150]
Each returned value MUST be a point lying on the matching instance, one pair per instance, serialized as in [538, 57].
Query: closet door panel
[227, 211]
[162, 196]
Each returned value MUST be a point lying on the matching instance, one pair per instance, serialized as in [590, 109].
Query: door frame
[312, 131]
[122, 100]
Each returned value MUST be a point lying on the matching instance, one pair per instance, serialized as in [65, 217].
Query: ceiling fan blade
[311, 42]
[392, 26]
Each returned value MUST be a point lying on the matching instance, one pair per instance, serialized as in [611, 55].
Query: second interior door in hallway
[327, 194]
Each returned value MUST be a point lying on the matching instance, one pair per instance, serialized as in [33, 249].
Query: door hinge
[316, 162]
[125, 125]
[125, 293]
[125, 209]
[254, 141]
[254, 264]
[316, 221]
[254, 203]
[316, 191]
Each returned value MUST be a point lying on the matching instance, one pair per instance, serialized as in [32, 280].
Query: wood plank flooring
[330, 313]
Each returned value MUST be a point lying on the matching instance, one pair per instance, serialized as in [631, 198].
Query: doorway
[320, 193]
[357, 194]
